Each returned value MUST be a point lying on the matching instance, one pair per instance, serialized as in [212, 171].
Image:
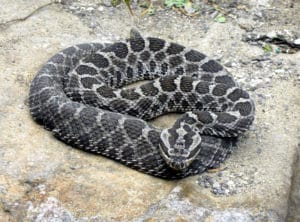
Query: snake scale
[79, 95]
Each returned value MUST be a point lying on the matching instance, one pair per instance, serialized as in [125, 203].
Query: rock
[51, 210]
[10, 11]
[42, 179]
[185, 210]
[246, 25]
[286, 40]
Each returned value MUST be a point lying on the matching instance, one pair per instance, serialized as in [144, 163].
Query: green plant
[127, 2]
[220, 18]
[176, 3]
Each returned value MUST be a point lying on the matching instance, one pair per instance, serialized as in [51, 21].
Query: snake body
[79, 95]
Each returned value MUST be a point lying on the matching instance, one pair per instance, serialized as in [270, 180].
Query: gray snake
[79, 95]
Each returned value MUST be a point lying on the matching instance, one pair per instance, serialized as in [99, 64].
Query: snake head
[180, 145]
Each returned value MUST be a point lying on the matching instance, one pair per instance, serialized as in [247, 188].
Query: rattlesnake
[79, 96]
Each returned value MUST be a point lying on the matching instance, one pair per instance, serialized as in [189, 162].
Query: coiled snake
[79, 96]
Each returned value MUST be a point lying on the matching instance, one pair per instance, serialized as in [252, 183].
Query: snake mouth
[179, 165]
[174, 160]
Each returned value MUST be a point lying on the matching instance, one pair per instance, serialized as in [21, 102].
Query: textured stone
[44, 180]
[20, 9]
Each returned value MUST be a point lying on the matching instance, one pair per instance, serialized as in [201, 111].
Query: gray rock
[42, 179]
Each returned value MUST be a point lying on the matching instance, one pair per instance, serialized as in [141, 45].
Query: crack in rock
[5, 25]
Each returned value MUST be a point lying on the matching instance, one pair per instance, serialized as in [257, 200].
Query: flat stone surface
[43, 179]
[19, 9]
